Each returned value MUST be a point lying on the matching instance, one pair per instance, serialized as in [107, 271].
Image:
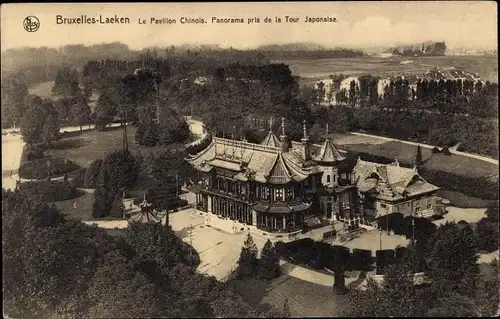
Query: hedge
[39, 169]
[384, 257]
[49, 191]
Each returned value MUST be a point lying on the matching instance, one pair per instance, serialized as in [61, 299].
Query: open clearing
[43, 90]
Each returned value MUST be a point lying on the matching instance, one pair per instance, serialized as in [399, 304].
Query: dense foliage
[55, 268]
[43, 168]
[40, 122]
[49, 191]
[453, 288]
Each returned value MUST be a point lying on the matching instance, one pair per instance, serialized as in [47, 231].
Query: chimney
[305, 143]
[284, 143]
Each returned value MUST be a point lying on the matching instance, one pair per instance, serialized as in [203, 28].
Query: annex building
[276, 185]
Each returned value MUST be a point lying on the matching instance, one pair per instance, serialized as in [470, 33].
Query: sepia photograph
[250, 159]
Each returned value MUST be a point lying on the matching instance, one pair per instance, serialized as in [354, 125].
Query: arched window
[328, 179]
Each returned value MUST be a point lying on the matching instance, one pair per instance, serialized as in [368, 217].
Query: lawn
[43, 90]
[83, 210]
[461, 200]
[456, 164]
[85, 148]
[304, 299]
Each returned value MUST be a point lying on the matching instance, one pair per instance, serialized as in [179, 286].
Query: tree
[247, 263]
[40, 124]
[66, 82]
[80, 113]
[103, 201]
[418, 159]
[121, 169]
[106, 108]
[48, 261]
[269, 267]
[452, 259]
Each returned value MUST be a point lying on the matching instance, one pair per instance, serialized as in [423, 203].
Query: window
[417, 209]
[383, 205]
[328, 179]
[279, 194]
[334, 178]
[429, 206]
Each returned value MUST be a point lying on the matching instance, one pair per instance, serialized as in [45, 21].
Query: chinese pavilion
[274, 185]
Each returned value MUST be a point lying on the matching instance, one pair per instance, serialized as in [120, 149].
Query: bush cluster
[49, 191]
[40, 168]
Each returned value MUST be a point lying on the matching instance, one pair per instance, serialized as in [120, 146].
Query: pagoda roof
[271, 140]
[266, 163]
[329, 152]
[145, 217]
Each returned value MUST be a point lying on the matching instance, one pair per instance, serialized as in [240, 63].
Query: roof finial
[305, 129]
[396, 162]
[326, 130]
[271, 125]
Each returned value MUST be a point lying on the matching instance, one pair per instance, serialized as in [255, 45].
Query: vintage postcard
[246, 159]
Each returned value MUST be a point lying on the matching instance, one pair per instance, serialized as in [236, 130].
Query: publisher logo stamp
[31, 24]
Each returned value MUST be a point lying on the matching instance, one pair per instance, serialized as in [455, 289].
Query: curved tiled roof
[271, 140]
[391, 177]
[329, 152]
[268, 162]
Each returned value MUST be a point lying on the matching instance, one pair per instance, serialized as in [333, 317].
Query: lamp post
[413, 229]
[387, 220]
[380, 233]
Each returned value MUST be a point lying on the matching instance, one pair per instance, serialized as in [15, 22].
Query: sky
[360, 24]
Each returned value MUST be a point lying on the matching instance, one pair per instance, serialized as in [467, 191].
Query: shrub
[92, 174]
[339, 259]
[78, 180]
[400, 253]
[103, 202]
[361, 259]
[121, 170]
[40, 169]
[446, 151]
[31, 153]
[384, 258]
[49, 191]
[487, 235]
[435, 150]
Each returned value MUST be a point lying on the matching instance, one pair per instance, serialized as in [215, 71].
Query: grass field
[43, 90]
[304, 299]
[84, 148]
[458, 199]
[83, 210]
[405, 153]
[311, 71]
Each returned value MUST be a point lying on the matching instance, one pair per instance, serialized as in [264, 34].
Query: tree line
[443, 96]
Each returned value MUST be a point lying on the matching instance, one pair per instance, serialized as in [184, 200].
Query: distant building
[328, 88]
[201, 80]
[346, 84]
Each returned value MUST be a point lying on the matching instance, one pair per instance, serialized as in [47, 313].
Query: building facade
[387, 189]
[276, 185]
